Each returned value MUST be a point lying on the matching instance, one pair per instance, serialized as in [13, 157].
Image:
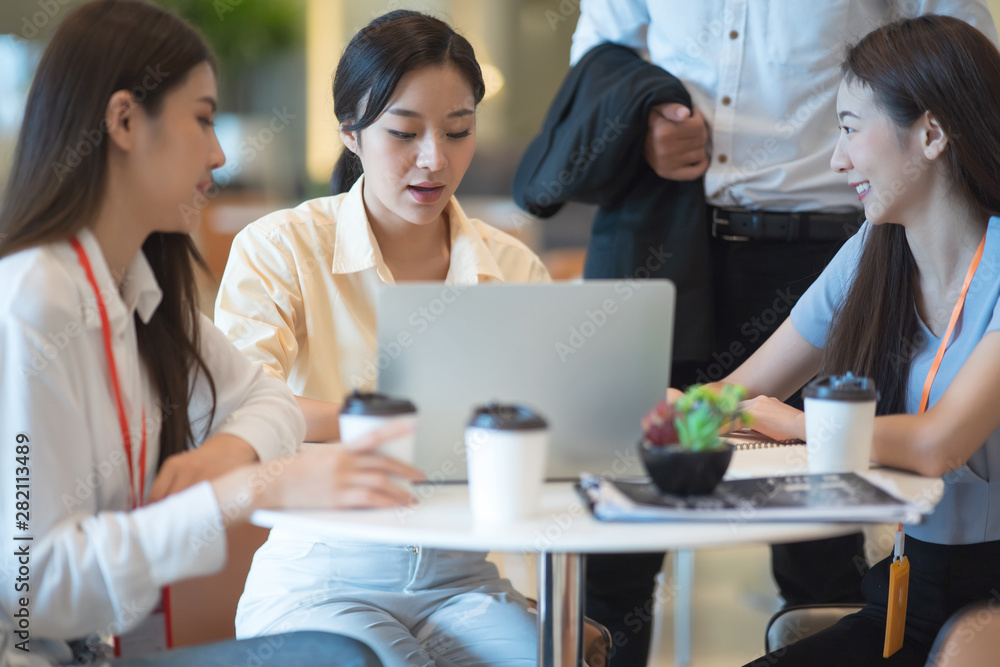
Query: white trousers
[412, 606]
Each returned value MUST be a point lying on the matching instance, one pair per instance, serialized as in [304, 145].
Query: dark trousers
[943, 579]
[755, 285]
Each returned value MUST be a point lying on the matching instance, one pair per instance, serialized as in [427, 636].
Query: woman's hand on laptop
[775, 419]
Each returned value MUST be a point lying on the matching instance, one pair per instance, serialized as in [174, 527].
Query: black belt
[739, 224]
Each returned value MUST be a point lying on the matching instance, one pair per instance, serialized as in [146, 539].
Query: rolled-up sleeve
[536, 271]
[620, 21]
[813, 314]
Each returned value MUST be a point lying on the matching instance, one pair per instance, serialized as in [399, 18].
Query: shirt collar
[356, 249]
[471, 260]
[140, 292]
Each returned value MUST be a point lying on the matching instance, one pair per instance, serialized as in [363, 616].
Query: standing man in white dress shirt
[763, 79]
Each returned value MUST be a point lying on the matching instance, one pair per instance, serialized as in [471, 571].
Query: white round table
[563, 530]
[561, 533]
[563, 524]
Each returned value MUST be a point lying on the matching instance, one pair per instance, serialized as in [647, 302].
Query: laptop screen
[591, 357]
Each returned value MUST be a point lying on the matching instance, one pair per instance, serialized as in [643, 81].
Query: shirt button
[722, 159]
[726, 100]
[733, 34]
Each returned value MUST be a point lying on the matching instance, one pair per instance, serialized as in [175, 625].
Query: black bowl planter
[681, 472]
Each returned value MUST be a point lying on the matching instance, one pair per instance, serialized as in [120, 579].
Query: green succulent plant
[701, 413]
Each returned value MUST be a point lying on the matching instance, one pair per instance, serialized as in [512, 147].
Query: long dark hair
[61, 166]
[377, 58]
[945, 66]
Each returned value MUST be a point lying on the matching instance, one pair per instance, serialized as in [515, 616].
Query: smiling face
[418, 150]
[889, 167]
[174, 152]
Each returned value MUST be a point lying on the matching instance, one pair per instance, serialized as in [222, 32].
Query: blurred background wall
[276, 121]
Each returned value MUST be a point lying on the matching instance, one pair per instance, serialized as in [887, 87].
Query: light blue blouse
[969, 512]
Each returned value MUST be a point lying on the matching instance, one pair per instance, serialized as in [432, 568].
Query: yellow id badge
[895, 622]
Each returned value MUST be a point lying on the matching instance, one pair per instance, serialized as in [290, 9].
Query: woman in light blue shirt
[919, 111]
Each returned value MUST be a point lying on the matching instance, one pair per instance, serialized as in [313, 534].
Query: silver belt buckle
[720, 225]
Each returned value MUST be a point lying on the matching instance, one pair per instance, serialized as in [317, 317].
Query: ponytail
[346, 172]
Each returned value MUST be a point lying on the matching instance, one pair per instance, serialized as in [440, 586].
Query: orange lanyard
[936, 364]
[899, 568]
[925, 397]
[134, 498]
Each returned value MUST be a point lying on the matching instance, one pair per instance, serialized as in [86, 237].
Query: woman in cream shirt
[298, 295]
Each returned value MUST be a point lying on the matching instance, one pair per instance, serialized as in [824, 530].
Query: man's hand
[216, 456]
[676, 141]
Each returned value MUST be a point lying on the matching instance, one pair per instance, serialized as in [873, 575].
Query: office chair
[970, 638]
[799, 621]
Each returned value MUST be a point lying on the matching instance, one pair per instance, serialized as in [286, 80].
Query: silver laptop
[592, 358]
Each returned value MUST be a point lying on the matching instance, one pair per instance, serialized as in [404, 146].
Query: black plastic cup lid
[373, 404]
[500, 417]
[847, 387]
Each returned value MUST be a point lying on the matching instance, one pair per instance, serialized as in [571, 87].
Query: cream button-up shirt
[298, 293]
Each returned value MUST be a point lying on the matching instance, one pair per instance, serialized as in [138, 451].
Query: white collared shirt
[96, 566]
[765, 75]
[298, 293]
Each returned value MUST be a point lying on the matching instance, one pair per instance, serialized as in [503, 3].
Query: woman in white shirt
[298, 295]
[132, 433]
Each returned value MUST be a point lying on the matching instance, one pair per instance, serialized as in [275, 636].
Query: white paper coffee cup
[365, 412]
[507, 451]
[840, 420]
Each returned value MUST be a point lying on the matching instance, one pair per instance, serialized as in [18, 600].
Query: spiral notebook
[749, 439]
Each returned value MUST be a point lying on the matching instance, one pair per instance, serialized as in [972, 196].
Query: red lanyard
[134, 498]
[925, 397]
